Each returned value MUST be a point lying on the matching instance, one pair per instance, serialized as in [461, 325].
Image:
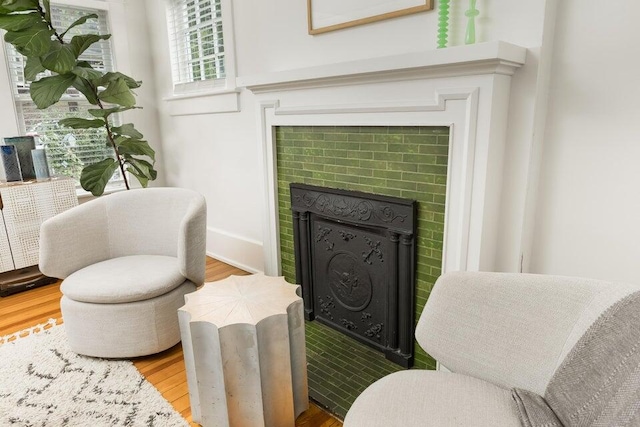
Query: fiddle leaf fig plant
[30, 30]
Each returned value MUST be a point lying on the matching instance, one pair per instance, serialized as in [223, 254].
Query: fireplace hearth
[355, 259]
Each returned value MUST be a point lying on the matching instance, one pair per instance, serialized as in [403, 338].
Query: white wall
[589, 200]
[218, 154]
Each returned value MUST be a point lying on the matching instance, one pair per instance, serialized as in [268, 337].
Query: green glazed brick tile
[340, 137]
[421, 139]
[348, 162]
[395, 139]
[399, 166]
[404, 148]
[328, 153]
[336, 169]
[325, 176]
[324, 144]
[435, 130]
[442, 160]
[373, 164]
[378, 173]
[392, 157]
[352, 154]
[414, 177]
[376, 147]
[431, 188]
[440, 150]
[415, 158]
[313, 167]
[312, 151]
[432, 168]
[360, 137]
[402, 185]
[360, 171]
[376, 182]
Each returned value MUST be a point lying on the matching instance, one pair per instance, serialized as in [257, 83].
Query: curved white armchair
[524, 350]
[127, 260]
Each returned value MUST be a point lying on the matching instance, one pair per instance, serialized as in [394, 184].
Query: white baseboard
[234, 250]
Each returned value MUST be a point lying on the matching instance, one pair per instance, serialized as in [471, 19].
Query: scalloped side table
[244, 352]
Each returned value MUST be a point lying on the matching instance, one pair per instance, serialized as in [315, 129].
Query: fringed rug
[43, 383]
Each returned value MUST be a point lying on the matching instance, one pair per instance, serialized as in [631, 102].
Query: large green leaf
[32, 41]
[111, 76]
[141, 169]
[136, 147]
[86, 89]
[32, 68]
[48, 90]
[94, 178]
[7, 6]
[118, 93]
[81, 43]
[87, 73]
[78, 123]
[127, 130]
[79, 21]
[60, 58]
[19, 21]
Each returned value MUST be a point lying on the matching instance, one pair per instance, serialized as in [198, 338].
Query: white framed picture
[330, 15]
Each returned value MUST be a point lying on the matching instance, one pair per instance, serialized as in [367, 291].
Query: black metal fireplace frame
[395, 218]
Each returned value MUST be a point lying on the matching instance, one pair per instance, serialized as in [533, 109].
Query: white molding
[483, 58]
[235, 250]
[204, 103]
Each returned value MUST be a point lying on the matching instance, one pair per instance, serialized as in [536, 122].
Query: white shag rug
[43, 383]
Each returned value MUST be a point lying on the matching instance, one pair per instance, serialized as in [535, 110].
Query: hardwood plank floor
[165, 370]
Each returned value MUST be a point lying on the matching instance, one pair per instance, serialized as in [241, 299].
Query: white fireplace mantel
[466, 88]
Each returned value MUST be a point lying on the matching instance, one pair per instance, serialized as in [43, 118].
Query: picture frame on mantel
[330, 15]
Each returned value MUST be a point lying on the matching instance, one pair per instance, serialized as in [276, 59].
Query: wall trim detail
[234, 250]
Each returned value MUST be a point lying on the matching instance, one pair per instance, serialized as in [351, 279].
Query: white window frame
[207, 96]
[10, 120]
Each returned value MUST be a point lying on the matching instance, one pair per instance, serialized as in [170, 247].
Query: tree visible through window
[68, 150]
[197, 41]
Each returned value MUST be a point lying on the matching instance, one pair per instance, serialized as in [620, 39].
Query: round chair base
[124, 330]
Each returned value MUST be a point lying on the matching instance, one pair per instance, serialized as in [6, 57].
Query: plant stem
[95, 91]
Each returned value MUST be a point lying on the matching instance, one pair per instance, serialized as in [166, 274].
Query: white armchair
[524, 350]
[127, 260]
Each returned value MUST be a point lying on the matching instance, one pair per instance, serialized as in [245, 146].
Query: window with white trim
[197, 42]
[68, 150]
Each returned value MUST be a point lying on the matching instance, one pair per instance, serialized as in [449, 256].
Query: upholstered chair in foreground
[524, 350]
[127, 260]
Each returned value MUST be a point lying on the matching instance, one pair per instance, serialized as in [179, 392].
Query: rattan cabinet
[24, 206]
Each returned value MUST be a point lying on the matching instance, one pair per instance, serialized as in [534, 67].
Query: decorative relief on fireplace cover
[355, 260]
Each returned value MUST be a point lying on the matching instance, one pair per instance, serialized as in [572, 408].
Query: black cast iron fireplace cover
[355, 259]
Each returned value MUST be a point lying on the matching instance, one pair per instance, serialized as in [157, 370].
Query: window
[68, 150]
[197, 42]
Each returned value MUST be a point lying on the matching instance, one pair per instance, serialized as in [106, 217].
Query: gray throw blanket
[598, 383]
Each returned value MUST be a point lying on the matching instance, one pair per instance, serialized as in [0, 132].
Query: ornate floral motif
[326, 306]
[375, 249]
[322, 234]
[374, 331]
[386, 214]
[346, 236]
[348, 324]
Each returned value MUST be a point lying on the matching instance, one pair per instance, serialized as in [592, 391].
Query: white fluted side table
[244, 351]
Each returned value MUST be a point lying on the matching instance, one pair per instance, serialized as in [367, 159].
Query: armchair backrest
[511, 329]
[151, 221]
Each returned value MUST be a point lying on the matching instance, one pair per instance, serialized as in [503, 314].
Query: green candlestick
[443, 23]
[470, 36]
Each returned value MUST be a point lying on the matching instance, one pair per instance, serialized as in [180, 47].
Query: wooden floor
[164, 370]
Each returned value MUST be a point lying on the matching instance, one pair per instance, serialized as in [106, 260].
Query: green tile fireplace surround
[409, 162]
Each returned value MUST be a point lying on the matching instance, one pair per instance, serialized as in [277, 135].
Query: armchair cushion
[124, 279]
[433, 399]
